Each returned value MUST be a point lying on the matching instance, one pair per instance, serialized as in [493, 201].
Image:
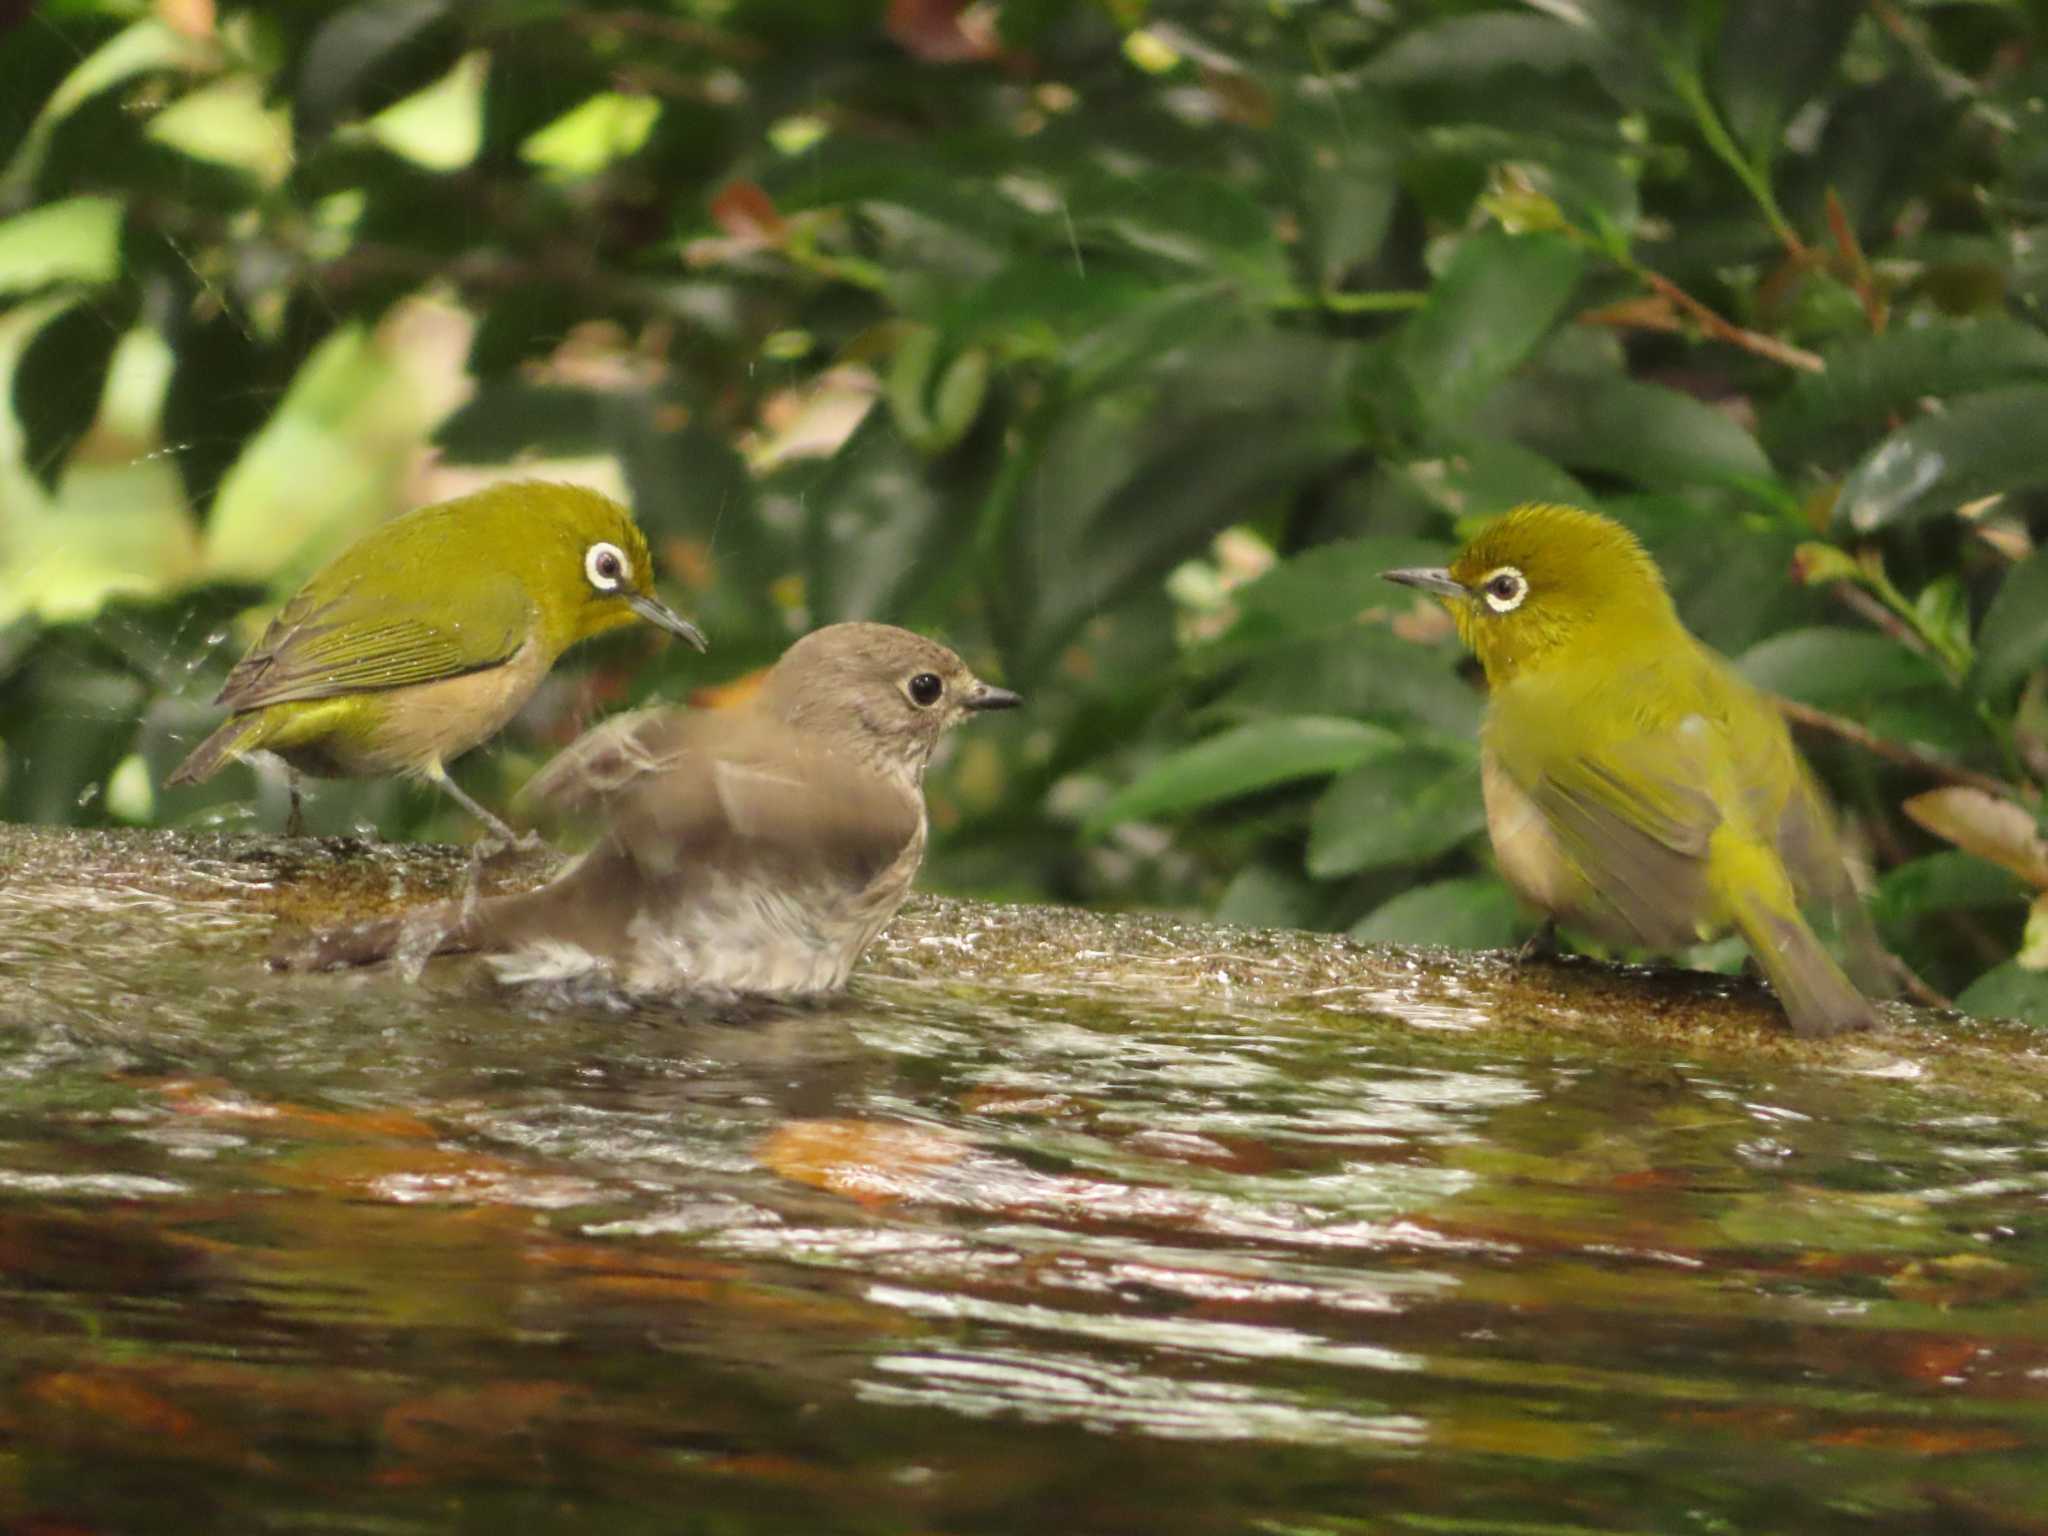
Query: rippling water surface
[1114, 1237]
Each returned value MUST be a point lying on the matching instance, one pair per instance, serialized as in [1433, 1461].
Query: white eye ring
[605, 566]
[1504, 588]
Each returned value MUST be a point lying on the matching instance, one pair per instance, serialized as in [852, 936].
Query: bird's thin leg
[500, 836]
[295, 818]
[1540, 945]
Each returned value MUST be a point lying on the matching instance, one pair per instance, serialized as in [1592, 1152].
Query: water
[1059, 1224]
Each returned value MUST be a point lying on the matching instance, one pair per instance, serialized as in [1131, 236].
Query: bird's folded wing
[1629, 816]
[355, 641]
[682, 789]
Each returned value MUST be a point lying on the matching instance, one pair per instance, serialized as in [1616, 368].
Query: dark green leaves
[1771, 57]
[1645, 433]
[1979, 444]
[2013, 639]
[365, 56]
[1404, 806]
[1470, 912]
[1869, 377]
[1498, 298]
[1240, 761]
[57, 384]
[1837, 668]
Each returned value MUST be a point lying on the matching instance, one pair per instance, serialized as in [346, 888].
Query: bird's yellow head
[1536, 585]
[590, 570]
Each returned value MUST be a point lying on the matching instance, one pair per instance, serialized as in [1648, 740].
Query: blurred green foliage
[1122, 343]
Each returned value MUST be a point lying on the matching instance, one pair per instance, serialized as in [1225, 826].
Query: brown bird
[755, 850]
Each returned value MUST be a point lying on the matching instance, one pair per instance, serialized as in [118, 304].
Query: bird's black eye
[925, 689]
[1502, 586]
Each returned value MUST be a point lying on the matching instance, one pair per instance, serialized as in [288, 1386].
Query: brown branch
[1723, 329]
[1901, 752]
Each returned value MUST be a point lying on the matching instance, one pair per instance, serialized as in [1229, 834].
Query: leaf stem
[1692, 91]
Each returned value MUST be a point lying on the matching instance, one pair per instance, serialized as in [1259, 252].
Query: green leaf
[1485, 476]
[609, 127]
[1403, 806]
[228, 123]
[1241, 761]
[365, 57]
[1870, 377]
[1982, 443]
[507, 417]
[1124, 485]
[1343, 163]
[143, 48]
[1833, 668]
[1772, 55]
[57, 386]
[1941, 882]
[877, 530]
[1363, 672]
[1472, 912]
[1470, 47]
[2008, 991]
[441, 127]
[330, 459]
[2013, 639]
[1189, 220]
[1268, 894]
[1327, 587]
[77, 240]
[1657, 437]
[1498, 298]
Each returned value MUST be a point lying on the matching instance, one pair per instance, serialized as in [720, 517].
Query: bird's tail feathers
[412, 938]
[1817, 997]
[230, 739]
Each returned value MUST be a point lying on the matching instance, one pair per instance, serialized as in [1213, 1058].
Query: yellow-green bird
[425, 637]
[1637, 787]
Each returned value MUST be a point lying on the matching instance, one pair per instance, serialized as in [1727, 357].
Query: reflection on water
[1160, 1235]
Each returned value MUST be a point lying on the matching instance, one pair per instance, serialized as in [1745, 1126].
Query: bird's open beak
[661, 616]
[1427, 578]
[984, 696]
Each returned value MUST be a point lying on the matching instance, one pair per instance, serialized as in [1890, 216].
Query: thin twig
[1915, 987]
[1904, 753]
[1875, 311]
[1723, 329]
[1866, 606]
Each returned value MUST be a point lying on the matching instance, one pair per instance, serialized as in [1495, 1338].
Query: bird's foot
[502, 840]
[1540, 946]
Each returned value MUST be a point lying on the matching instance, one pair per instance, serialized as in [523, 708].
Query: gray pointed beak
[1427, 578]
[661, 616]
[983, 696]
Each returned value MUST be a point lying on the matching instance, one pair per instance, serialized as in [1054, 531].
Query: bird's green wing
[1629, 816]
[358, 642]
[1636, 805]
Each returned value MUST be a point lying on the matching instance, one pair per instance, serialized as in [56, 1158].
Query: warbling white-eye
[752, 850]
[1637, 787]
[425, 636]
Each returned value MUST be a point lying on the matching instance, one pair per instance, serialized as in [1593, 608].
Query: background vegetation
[1122, 343]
